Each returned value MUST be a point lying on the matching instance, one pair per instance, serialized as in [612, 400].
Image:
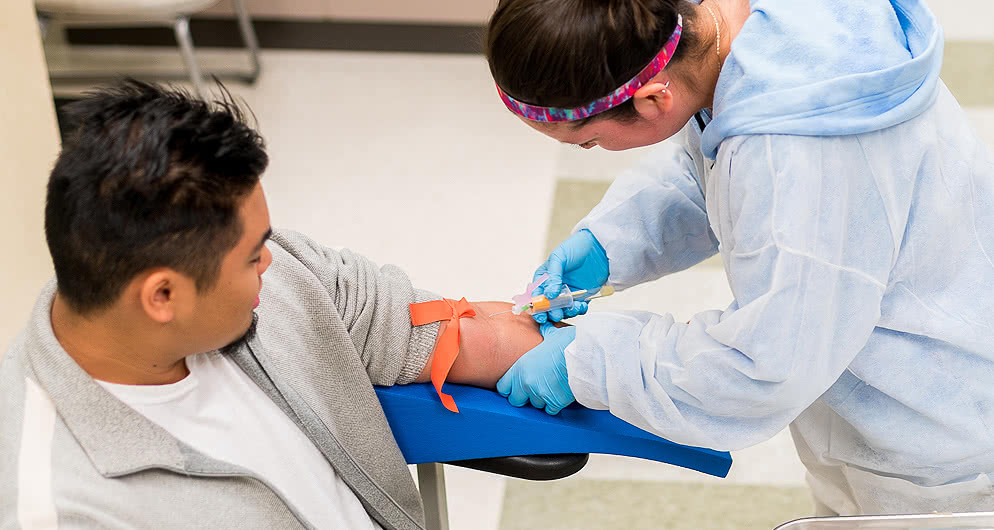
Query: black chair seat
[529, 467]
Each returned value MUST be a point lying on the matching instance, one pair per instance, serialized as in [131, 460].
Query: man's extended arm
[373, 304]
[488, 346]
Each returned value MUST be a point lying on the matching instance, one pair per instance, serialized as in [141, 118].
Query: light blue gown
[853, 207]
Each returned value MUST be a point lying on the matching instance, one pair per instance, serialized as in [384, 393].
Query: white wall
[29, 142]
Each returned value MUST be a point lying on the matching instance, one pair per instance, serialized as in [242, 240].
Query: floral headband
[619, 96]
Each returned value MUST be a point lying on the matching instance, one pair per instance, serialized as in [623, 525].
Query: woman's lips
[256, 302]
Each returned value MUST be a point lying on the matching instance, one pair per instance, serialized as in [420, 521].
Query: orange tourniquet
[448, 344]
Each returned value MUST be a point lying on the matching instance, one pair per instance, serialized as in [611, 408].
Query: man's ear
[653, 100]
[159, 295]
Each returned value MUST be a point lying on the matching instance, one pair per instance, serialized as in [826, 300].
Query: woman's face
[614, 135]
[663, 105]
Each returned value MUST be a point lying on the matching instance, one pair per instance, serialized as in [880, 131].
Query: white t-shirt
[219, 411]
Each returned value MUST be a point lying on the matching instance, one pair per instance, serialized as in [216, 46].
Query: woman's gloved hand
[580, 262]
[539, 375]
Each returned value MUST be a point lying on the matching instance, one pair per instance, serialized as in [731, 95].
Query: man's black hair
[150, 177]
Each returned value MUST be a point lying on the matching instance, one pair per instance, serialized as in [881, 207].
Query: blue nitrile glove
[581, 263]
[539, 375]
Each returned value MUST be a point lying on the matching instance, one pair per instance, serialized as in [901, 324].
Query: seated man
[164, 380]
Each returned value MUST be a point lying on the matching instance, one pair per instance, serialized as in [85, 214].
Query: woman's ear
[653, 100]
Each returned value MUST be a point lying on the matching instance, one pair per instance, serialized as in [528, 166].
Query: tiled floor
[649, 505]
[412, 160]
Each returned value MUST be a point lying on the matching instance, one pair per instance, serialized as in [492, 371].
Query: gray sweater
[331, 325]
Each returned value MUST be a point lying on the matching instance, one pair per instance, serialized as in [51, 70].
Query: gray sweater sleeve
[373, 305]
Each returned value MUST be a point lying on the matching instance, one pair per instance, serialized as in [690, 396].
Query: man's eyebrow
[265, 237]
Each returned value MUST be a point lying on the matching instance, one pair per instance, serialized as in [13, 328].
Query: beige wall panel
[289, 9]
[29, 143]
[420, 11]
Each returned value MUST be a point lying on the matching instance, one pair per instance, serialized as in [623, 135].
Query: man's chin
[244, 339]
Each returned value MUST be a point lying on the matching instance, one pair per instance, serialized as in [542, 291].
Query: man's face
[224, 314]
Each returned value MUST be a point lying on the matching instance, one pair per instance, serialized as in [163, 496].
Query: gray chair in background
[171, 13]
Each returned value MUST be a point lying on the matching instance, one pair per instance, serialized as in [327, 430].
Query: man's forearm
[488, 346]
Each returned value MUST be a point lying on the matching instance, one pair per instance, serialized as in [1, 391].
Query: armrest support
[529, 467]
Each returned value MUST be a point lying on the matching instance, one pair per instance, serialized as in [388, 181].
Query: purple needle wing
[521, 300]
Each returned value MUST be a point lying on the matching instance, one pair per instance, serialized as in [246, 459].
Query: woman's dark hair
[150, 177]
[567, 53]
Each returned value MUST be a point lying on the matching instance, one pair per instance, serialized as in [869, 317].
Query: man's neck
[110, 349]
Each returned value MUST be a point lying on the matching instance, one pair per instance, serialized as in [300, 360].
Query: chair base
[181, 29]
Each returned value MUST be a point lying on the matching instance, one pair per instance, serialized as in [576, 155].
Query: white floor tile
[409, 160]
[595, 164]
[474, 498]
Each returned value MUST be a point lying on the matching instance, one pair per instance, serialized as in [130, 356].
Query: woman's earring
[665, 86]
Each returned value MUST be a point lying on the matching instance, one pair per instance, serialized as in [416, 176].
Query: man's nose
[267, 260]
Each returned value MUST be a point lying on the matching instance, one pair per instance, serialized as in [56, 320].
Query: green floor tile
[968, 71]
[573, 200]
[577, 504]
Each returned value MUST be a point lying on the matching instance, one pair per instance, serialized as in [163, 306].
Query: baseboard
[299, 34]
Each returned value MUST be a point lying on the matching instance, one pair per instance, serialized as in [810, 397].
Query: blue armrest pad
[487, 426]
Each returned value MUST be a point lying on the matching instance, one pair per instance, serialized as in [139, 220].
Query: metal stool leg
[248, 36]
[431, 483]
[43, 24]
[182, 30]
